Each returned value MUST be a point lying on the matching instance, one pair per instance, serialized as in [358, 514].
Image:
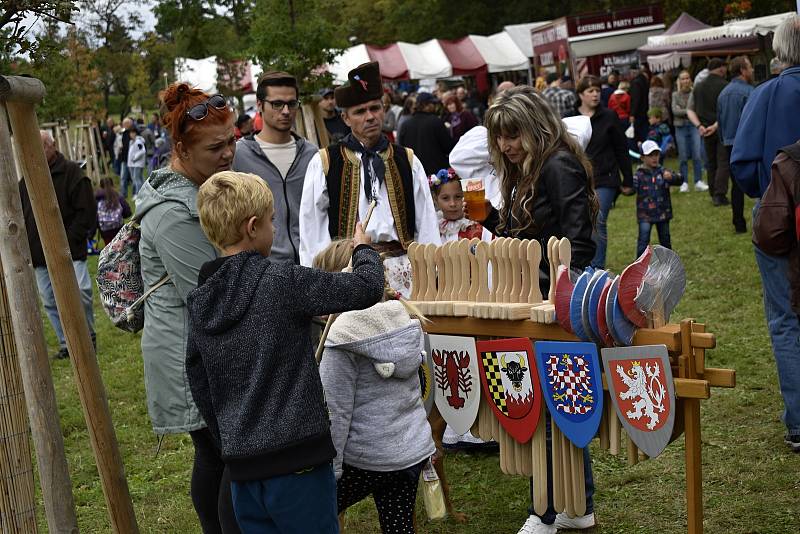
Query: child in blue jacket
[653, 203]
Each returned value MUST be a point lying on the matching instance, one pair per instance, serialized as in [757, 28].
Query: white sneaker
[576, 523]
[684, 188]
[534, 525]
[700, 185]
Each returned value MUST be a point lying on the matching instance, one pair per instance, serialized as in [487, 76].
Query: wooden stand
[19, 96]
[686, 343]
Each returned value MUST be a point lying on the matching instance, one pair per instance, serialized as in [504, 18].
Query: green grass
[751, 481]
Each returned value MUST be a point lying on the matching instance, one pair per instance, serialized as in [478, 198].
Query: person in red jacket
[620, 103]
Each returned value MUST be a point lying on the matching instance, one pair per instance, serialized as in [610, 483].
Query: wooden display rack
[451, 286]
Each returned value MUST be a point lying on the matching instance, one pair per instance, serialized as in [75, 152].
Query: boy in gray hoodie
[250, 362]
[370, 374]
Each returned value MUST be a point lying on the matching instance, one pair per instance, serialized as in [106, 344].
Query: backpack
[119, 279]
[109, 217]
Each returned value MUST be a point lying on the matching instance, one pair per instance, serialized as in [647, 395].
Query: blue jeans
[297, 503]
[689, 146]
[784, 332]
[136, 175]
[606, 195]
[49, 300]
[644, 235]
[124, 179]
[549, 516]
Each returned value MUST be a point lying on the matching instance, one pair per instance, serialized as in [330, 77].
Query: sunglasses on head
[199, 111]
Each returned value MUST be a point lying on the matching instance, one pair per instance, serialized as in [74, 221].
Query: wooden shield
[572, 387]
[576, 304]
[426, 378]
[455, 378]
[511, 385]
[640, 385]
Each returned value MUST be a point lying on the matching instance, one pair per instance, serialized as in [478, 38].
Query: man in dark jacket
[702, 112]
[78, 212]
[426, 135]
[640, 102]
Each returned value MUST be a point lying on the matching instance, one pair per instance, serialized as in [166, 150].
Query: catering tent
[688, 36]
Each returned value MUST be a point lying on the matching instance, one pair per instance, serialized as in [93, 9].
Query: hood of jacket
[224, 299]
[384, 334]
[166, 185]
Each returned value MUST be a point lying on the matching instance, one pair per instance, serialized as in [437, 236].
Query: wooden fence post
[65, 288]
[17, 494]
[34, 366]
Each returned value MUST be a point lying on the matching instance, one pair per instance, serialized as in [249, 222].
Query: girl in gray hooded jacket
[369, 371]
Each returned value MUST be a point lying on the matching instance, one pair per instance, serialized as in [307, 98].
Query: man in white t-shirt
[280, 157]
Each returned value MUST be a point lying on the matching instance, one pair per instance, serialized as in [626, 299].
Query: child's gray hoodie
[370, 374]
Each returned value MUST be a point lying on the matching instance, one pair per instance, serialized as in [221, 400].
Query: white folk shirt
[314, 233]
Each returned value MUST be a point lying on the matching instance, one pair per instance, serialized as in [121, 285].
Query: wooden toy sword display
[598, 355]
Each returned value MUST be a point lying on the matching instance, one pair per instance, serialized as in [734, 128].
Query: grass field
[751, 480]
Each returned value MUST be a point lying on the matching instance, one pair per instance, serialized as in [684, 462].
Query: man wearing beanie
[344, 178]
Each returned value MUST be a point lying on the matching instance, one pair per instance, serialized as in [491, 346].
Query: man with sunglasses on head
[346, 177]
[280, 157]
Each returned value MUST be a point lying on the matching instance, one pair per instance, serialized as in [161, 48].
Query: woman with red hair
[460, 120]
[174, 247]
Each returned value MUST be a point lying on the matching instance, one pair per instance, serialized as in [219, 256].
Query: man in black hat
[336, 127]
[344, 178]
[425, 134]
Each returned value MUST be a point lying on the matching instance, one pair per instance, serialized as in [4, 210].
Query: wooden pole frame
[37, 381]
[65, 288]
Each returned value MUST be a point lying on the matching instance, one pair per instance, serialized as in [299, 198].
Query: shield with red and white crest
[455, 375]
[511, 385]
[641, 388]
[572, 387]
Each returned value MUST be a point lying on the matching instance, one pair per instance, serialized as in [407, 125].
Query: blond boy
[250, 362]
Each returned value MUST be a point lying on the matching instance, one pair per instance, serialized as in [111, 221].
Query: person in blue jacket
[769, 122]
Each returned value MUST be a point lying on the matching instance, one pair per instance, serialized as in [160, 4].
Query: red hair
[179, 98]
[453, 98]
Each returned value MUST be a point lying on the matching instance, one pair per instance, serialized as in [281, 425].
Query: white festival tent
[739, 28]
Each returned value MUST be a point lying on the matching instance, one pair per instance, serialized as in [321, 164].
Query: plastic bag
[432, 495]
[663, 284]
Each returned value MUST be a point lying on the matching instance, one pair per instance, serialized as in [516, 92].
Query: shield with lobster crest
[641, 389]
[510, 385]
[455, 377]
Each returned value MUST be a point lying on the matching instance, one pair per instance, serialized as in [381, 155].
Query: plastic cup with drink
[475, 197]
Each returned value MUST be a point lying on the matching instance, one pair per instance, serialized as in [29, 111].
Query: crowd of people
[249, 232]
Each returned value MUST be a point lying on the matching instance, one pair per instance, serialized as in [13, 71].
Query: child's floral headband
[442, 177]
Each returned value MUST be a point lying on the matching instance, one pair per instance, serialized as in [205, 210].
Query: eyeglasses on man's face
[278, 105]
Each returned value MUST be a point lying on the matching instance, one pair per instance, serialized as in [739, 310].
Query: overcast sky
[143, 7]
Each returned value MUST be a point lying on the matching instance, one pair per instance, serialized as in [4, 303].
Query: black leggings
[395, 493]
[211, 486]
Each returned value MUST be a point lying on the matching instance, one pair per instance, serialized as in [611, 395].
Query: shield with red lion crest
[572, 387]
[511, 385]
[641, 389]
[455, 376]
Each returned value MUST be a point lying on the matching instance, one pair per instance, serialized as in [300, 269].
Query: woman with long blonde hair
[546, 187]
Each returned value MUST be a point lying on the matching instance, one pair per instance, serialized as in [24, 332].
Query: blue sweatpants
[299, 503]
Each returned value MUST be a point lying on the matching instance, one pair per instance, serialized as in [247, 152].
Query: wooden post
[76, 330]
[17, 494]
[692, 439]
[34, 366]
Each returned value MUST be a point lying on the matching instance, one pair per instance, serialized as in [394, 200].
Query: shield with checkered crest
[572, 386]
[641, 388]
[510, 385]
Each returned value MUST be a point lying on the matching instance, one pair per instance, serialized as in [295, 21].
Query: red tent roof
[393, 64]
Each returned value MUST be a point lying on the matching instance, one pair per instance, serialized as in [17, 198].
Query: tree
[115, 55]
[294, 37]
[18, 16]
